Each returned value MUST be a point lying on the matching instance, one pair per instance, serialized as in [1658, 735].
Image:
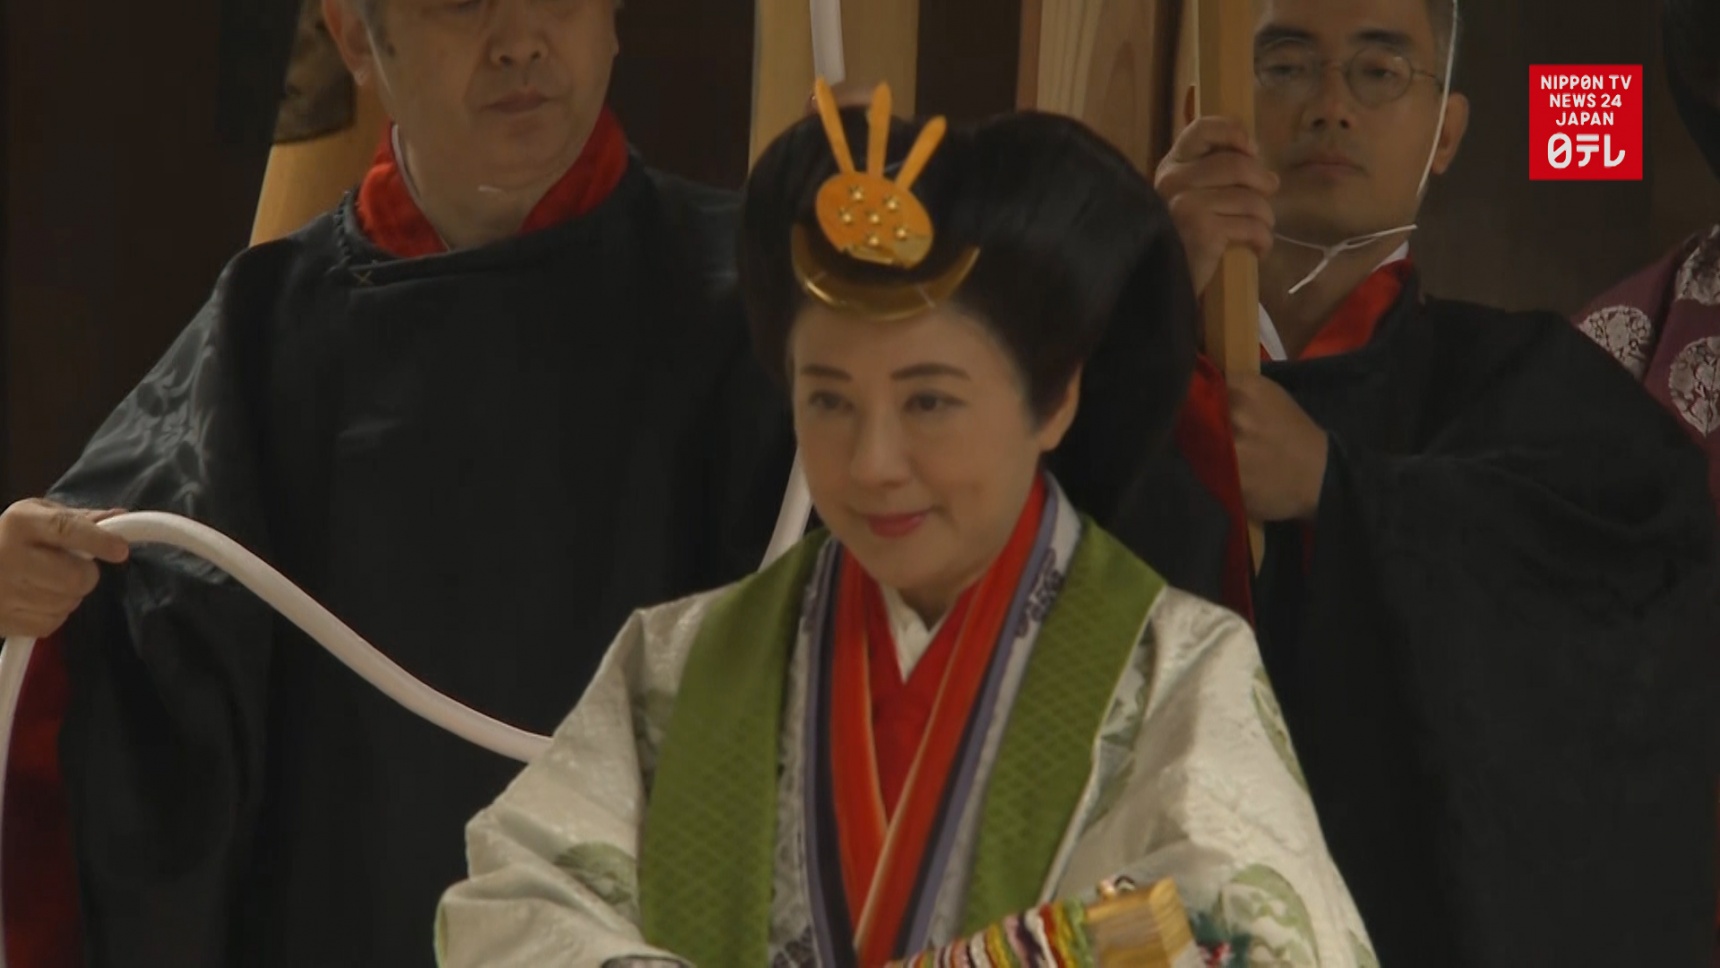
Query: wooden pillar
[782, 68]
[306, 178]
[881, 40]
[1106, 62]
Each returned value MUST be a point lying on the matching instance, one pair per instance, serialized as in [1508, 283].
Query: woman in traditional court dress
[962, 701]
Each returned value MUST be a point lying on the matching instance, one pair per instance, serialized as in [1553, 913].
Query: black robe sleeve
[747, 444]
[1503, 681]
[740, 445]
[515, 445]
[164, 741]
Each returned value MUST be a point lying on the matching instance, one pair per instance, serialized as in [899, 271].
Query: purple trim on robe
[1663, 325]
[832, 946]
[962, 786]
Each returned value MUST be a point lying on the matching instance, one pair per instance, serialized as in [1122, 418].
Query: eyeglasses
[1376, 75]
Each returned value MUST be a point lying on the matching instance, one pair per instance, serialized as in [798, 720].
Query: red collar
[393, 222]
[1203, 432]
[1358, 317]
[883, 846]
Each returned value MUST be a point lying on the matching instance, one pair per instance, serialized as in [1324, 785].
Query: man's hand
[45, 564]
[1280, 451]
[1219, 194]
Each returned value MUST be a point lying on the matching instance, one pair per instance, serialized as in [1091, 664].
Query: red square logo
[1585, 123]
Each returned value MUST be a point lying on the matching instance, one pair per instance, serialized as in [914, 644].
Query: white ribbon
[299, 608]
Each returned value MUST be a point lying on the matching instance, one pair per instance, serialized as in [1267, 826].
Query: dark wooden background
[1491, 235]
[124, 192]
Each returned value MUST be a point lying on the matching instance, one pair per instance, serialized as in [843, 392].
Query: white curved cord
[827, 55]
[152, 527]
[1444, 98]
[303, 611]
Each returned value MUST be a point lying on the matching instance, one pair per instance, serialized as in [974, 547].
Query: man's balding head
[492, 94]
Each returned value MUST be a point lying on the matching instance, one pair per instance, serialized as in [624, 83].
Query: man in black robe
[1489, 587]
[1663, 322]
[483, 409]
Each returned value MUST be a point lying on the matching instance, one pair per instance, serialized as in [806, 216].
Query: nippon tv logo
[1585, 123]
[1586, 146]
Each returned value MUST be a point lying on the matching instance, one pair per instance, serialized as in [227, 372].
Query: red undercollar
[391, 219]
[1358, 317]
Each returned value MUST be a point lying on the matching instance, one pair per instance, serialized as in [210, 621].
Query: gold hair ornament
[873, 219]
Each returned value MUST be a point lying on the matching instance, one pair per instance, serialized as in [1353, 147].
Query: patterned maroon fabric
[1663, 324]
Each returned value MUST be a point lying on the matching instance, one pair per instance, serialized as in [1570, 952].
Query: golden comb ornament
[864, 214]
[874, 219]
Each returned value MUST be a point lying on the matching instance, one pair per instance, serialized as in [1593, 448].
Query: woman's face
[919, 446]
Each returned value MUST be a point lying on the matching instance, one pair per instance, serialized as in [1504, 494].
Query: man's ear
[1451, 133]
[352, 38]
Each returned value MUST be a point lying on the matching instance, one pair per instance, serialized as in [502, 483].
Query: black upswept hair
[1079, 266]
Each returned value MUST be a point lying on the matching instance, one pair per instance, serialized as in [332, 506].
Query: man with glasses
[1489, 578]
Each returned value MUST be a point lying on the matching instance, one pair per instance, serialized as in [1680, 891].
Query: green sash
[1047, 751]
[708, 855]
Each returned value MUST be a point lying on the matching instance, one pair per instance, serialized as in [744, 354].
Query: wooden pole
[1231, 304]
[1123, 66]
[782, 68]
[306, 178]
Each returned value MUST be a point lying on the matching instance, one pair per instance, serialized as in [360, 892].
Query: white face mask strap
[1444, 100]
[1330, 252]
[1325, 260]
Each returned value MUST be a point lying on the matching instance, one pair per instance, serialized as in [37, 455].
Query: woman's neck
[931, 607]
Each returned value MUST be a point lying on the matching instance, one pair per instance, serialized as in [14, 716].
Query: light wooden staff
[1114, 64]
[1231, 304]
[306, 178]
